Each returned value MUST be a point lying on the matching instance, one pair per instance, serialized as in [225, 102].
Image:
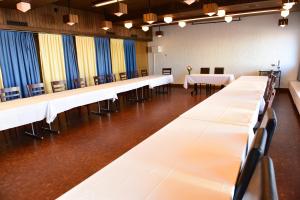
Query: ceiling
[136, 8]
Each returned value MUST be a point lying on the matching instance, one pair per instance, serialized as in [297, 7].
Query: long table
[28, 110]
[215, 79]
[193, 157]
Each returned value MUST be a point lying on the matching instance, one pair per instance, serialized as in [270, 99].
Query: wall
[49, 19]
[242, 47]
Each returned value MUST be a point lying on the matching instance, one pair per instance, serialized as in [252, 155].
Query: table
[267, 72]
[29, 110]
[215, 79]
[190, 158]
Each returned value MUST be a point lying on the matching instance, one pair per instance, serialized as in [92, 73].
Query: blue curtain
[103, 56]
[18, 60]
[71, 64]
[130, 57]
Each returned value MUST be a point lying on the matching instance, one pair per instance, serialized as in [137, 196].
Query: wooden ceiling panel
[34, 3]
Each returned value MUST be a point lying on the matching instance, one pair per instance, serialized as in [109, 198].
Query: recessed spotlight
[128, 24]
[285, 13]
[168, 19]
[228, 19]
[189, 2]
[182, 24]
[23, 6]
[221, 13]
[145, 28]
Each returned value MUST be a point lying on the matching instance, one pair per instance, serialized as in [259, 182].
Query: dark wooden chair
[166, 71]
[8, 94]
[204, 70]
[144, 72]
[101, 79]
[219, 70]
[111, 78]
[80, 83]
[58, 86]
[36, 89]
[256, 152]
[123, 76]
[135, 74]
[262, 185]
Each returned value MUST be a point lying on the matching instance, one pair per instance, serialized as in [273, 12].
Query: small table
[277, 73]
[214, 79]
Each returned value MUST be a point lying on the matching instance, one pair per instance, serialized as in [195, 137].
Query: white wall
[242, 47]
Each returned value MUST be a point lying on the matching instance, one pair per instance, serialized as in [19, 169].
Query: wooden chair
[123, 76]
[101, 79]
[59, 86]
[219, 70]
[144, 72]
[135, 74]
[204, 70]
[256, 152]
[166, 71]
[36, 89]
[262, 185]
[8, 94]
[110, 78]
[80, 83]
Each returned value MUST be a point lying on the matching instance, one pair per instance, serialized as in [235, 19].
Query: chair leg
[33, 133]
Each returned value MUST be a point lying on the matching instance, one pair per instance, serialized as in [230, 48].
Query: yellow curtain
[141, 55]
[1, 82]
[52, 59]
[117, 56]
[86, 54]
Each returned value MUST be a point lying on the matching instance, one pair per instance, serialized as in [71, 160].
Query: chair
[166, 71]
[262, 185]
[204, 70]
[123, 76]
[35, 89]
[110, 78]
[8, 94]
[135, 74]
[144, 72]
[101, 79]
[58, 86]
[256, 152]
[80, 83]
[219, 70]
[269, 122]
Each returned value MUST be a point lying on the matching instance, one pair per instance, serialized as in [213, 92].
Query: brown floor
[33, 169]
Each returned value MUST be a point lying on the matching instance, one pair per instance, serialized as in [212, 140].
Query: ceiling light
[23, 6]
[210, 9]
[221, 13]
[159, 33]
[283, 22]
[288, 4]
[128, 24]
[104, 3]
[182, 24]
[228, 19]
[285, 13]
[168, 19]
[120, 9]
[145, 28]
[150, 18]
[70, 19]
[106, 25]
[189, 2]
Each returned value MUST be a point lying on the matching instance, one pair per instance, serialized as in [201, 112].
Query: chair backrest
[269, 122]
[166, 71]
[59, 86]
[204, 70]
[110, 78]
[123, 76]
[36, 89]
[262, 185]
[80, 82]
[99, 79]
[219, 70]
[9, 94]
[256, 152]
[144, 72]
[135, 74]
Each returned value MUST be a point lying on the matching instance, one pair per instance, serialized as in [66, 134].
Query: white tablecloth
[28, 110]
[193, 157]
[216, 79]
